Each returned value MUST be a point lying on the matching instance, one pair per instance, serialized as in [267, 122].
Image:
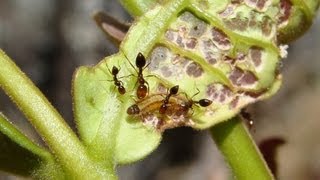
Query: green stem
[47, 121]
[137, 7]
[239, 150]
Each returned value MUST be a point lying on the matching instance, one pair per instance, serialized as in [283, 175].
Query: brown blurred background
[49, 39]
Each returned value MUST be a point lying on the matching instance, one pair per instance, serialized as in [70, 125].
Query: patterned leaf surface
[223, 51]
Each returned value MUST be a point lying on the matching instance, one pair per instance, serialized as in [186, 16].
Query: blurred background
[49, 39]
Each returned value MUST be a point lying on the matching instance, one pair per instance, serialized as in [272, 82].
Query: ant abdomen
[142, 91]
[204, 102]
[121, 89]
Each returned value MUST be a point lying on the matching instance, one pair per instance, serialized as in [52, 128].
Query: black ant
[143, 87]
[116, 80]
[173, 91]
[201, 102]
[247, 117]
[190, 102]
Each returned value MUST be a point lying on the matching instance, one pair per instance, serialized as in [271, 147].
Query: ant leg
[135, 85]
[128, 60]
[133, 98]
[108, 68]
[147, 65]
[185, 94]
[125, 76]
[198, 91]
[147, 86]
[152, 75]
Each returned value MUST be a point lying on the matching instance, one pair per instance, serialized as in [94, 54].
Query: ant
[116, 80]
[164, 106]
[190, 102]
[247, 117]
[143, 87]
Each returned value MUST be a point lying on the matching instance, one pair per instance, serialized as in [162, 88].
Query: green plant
[199, 43]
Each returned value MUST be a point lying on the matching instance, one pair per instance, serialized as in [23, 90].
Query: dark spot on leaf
[198, 29]
[227, 11]
[237, 23]
[222, 98]
[210, 58]
[179, 41]
[208, 44]
[252, 19]
[241, 56]
[261, 4]
[235, 75]
[220, 38]
[240, 77]
[285, 10]
[191, 43]
[257, 4]
[226, 91]
[170, 35]
[211, 89]
[256, 55]
[166, 71]
[218, 92]
[248, 78]
[194, 69]
[266, 26]
[234, 102]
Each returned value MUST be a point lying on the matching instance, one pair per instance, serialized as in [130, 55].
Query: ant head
[204, 102]
[134, 109]
[174, 89]
[115, 70]
[140, 60]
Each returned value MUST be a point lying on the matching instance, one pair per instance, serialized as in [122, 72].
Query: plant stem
[239, 150]
[47, 121]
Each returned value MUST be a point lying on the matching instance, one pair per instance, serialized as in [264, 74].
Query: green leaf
[223, 51]
[187, 43]
[18, 154]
